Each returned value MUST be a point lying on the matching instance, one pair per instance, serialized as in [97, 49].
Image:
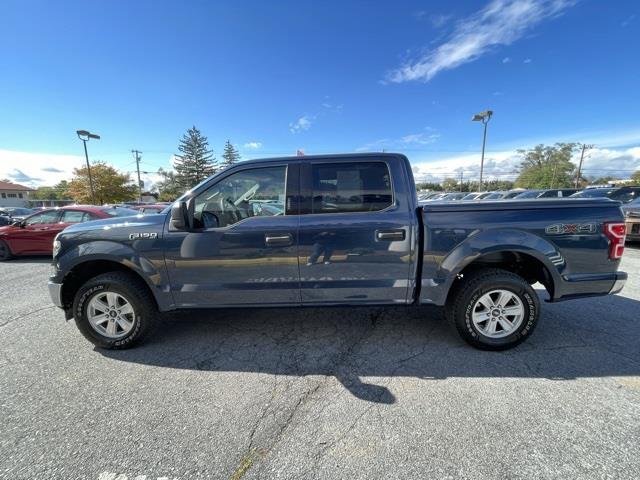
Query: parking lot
[318, 393]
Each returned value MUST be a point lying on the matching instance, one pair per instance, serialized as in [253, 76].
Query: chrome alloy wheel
[498, 313]
[110, 314]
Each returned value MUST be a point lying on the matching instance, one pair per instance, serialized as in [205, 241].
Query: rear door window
[74, 216]
[351, 187]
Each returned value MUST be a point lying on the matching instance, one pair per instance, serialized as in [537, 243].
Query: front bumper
[55, 292]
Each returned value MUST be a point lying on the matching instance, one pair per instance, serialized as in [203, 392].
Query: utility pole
[461, 177]
[136, 154]
[584, 147]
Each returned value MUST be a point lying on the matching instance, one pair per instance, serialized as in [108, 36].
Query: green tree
[436, 187]
[195, 161]
[168, 187]
[61, 190]
[110, 186]
[231, 155]
[44, 193]
[546, 166]
[636, 176]
[450, 185]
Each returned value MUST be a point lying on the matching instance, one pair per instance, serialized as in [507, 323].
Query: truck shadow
[589, 338]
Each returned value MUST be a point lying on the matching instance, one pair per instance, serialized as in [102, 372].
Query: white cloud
[501, 22]
[526, 60]
[302, 124]
[504, 165]
[36, 169]
[420, 138]
[506, 60]
[411, 139]
[253, 145]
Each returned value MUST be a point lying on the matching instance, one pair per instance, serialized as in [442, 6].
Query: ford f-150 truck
[336, 230]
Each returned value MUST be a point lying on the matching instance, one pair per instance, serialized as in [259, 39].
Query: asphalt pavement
[318, 393]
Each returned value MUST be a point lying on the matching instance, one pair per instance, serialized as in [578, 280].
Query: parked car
[16, 213]
[632, 219]
[513, 193]
[5, 220]
[621, 194]
[528, 194]
[495, 196]
[475, 196]
[558, 192]
[450, 197]
[34, 235]
[351, 234]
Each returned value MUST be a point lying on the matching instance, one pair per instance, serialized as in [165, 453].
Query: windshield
[120, 212]
[470, 196]
[493, 196]
[594, 192]
[528, 194]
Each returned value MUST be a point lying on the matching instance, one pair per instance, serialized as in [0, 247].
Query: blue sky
[322, 76]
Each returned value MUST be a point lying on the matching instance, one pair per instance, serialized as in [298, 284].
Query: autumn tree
[110, 186]
[195, 161]
[547, 166]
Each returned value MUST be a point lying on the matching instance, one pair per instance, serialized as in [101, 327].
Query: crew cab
[336, 230]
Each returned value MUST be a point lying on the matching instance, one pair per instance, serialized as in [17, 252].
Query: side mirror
[18, 223]
[179, 217]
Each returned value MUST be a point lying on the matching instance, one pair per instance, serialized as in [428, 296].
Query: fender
[151, 268]
[480, 243]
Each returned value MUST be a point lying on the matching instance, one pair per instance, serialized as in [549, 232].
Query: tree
[450, 185]
[110, 185]
[168, 187]
[230, 155]
[196, 161]
[546, 166]
[44, 193]
[636, 176]
[429, 186]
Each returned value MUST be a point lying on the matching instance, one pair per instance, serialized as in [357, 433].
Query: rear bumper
[589, 285]
[619, 283]
[55, 292]
[633, 228]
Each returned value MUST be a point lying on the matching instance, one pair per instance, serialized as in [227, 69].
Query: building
[14, 195]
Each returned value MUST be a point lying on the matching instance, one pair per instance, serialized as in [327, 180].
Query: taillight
[615, 232]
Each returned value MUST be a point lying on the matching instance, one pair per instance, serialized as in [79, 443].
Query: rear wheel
[493, 309]
[5, 253]
[114, 310]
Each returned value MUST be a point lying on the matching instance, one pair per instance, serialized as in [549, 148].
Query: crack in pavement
[12, 319]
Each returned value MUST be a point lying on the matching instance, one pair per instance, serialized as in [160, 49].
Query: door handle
[282, 240]
[390, 235]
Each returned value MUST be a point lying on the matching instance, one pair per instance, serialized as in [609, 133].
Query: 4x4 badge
[560, 228]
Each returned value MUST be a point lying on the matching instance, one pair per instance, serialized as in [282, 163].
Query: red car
[151, 209]
[35, 234]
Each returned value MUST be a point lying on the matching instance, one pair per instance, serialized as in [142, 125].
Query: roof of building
[14, 186]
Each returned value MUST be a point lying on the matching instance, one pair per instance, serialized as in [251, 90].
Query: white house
[14, 195]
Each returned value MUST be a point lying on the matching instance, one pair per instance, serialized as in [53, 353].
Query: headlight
[56, 246]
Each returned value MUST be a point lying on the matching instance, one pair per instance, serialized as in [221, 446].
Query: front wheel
[493, 309]
[114, 310]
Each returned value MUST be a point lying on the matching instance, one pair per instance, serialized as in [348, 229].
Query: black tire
[134, 291]
[472, 287]
[5, 252]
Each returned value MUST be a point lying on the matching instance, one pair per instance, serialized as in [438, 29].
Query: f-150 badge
[143, 236]
[560, 228]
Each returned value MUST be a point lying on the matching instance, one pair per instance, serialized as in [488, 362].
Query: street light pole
[84, 135]
[483, 117]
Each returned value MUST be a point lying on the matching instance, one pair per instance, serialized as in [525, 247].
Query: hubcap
[498, 313]
[110, 314]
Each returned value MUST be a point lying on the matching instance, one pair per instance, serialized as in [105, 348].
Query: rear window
[351, 187]
[120, 212]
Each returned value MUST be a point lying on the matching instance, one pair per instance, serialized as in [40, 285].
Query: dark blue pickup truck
[336, 230]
